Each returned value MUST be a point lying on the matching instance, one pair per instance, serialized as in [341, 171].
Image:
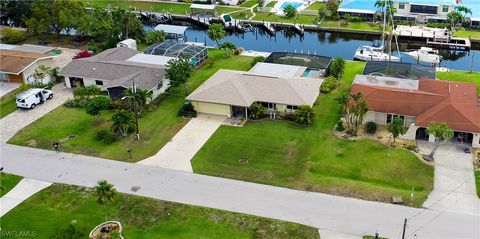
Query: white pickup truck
[33, 97]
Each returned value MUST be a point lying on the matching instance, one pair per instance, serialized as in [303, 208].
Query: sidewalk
[23, 190]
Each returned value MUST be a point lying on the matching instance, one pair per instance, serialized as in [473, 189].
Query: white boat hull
[434, 59]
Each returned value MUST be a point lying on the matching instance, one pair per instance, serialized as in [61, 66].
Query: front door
[238, 112]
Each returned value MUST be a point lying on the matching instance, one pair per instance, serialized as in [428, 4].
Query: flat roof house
[112, 71]
[18, 65]
[420, 102]
[230, 93]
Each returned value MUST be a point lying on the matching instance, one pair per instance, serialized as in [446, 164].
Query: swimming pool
[293, 4]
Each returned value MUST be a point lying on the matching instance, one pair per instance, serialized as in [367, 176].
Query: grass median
[140, 217]
[310, 158]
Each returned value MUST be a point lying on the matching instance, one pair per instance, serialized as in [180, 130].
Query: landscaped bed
[57, 206]
[311, 158]
[156, 128]
[477, 181]
[7, 182]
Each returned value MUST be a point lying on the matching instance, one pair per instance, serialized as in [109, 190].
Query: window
[401, 5]
[98, 82]
[390, 118]
[445, 8]
[270, 106]
[423, 9]
[160, 85]
[292, 107]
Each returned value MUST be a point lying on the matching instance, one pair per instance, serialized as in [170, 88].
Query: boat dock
[434, 37]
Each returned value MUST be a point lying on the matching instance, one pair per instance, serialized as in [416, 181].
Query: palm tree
[396, 127]
[337, 67]
[141, 97]
[228, 47]
[41, 72]
[216, 32]
[122, 122]
[105, 193]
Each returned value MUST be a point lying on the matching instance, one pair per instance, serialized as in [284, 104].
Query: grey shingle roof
[111, 67]
[243, 88]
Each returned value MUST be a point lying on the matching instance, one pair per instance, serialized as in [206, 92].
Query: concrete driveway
[23, 190]
[177, 153]
[12, 123]
[454, 183]
[7, 87]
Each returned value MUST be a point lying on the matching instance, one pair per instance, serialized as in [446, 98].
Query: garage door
[211, 108]
[15, 78]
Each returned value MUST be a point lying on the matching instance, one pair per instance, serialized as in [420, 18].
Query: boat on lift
[425, 54]
[370, 53]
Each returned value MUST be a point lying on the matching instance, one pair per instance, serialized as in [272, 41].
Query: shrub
[154, 36]
[238, 51]
[304, 115]
[87, 91]
[329, 84]
[350, 18]
[210, 62]
[105, 135]
[82, 54]
[256, 111]
[411, 147]
[257, 59]
[118, 104]
[98, 104]
[340, 126]
[187, 110]
[370, 127]
[71, 103]
[11, 35]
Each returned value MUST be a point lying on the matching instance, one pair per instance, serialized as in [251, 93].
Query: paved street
[454, 185]
[177, 153]
[333, 213]
[17, 120]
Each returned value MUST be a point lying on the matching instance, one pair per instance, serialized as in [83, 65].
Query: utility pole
[404, 228]
[134, 91]
[471, 64]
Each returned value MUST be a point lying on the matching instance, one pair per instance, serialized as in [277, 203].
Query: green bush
[98, 104]
[154, 36]
[11, 35]
[87, 91]
[71, 103]
[105, 135]
[340, 126]
[329, 84]
[256, 111]
[370, 127]
[257, 59]
[304, 115]
[187, 110]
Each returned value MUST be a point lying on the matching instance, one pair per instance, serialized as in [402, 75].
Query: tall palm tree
[41, 72]
[122, 122]
[141, 97]
[228, 47]
[105, 194]
[216, 32]
[337, 67]
[396, 127]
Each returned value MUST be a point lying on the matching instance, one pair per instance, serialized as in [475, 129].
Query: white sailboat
[425, 54]
[370, 53]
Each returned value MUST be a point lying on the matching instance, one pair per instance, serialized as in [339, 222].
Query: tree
[228, 47]
[290, 11]
[105, 194]
[82, 54]
[11, 35]
[141, 97]
[216, 32]
[152, 37]
[396, 127]
[304, 115]
[337, 67]
[97, 104]
[455, 17]
[123, 121]
[463, 9]
[354, 108]
[256, 111]
[54, 15]
[260, 3]
[178, 71]
[41, 72]
[329, 84]
[17, 11]
[442, 134]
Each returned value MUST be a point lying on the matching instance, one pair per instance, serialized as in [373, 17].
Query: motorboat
[370, 53]
[425, 54]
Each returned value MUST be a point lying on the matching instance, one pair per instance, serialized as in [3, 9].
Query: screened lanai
[197, 54]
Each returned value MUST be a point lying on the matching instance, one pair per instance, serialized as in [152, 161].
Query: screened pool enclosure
[197, 54]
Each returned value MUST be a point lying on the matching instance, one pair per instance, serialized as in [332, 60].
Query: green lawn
[310, 158]
[156, 128]
[7, 104]
[249, 3]
[242, 14]
[461, 76]
[141, 217]
[315, 6]
[7, 182]
[271, 4]
[477, 180]
[467, 34]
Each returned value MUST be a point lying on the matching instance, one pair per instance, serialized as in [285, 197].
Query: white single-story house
[420, 102]
[231, 93]
[18, 65]
[111, 71]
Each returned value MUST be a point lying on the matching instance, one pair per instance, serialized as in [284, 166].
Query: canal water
[331, 44]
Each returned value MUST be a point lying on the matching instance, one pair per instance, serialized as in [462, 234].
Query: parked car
[31, 98]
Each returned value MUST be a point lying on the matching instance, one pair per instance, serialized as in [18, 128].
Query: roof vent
[157, 74]
[93, 68]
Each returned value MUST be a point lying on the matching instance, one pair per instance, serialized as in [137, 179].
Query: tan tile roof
[15, 62]
[242, 89]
